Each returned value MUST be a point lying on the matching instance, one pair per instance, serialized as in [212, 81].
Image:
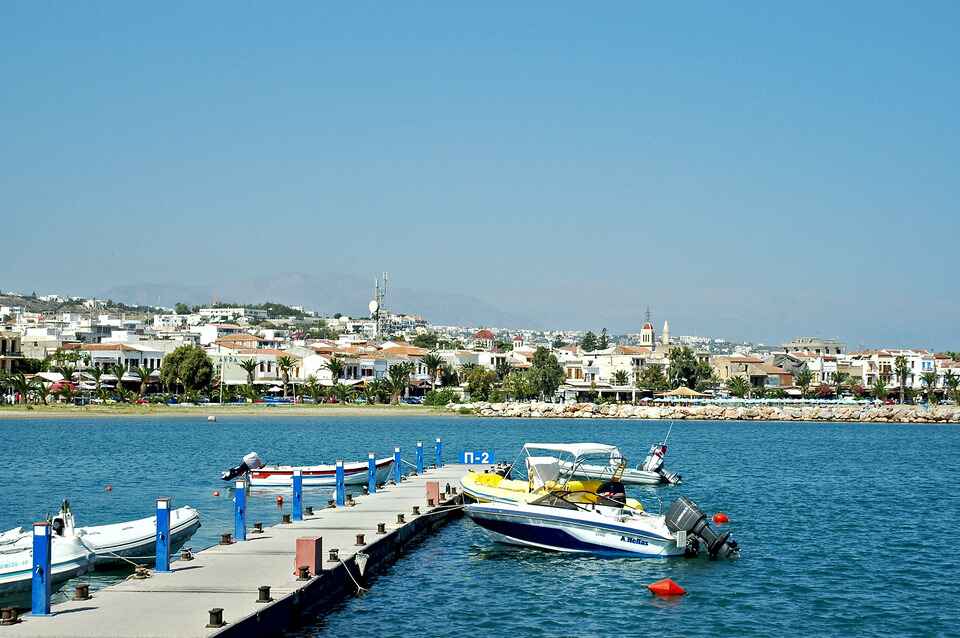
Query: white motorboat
[133, 540]
[650, 472]
[259, 475]
[68, 558]
[601, 523]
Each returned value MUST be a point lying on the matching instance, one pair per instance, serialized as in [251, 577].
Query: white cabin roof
[576, 449]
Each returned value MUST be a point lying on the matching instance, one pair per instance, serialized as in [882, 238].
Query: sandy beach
[194, 411]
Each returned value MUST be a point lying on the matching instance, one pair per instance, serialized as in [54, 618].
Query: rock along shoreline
[844, 413]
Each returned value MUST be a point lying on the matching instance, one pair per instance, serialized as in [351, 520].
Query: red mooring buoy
[720, 518]
[216, 492]
[279, 500]
[666, 587]
[108, 488]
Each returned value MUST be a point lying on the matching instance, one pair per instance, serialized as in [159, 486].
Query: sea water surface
[846, 529]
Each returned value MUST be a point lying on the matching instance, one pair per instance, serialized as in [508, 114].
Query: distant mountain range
[335, 292]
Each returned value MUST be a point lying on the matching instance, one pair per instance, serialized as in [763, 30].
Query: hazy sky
[754, 171]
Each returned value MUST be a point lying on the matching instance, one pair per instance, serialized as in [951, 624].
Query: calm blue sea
[846, 529]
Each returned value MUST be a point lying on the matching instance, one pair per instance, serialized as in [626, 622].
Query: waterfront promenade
[228, 577]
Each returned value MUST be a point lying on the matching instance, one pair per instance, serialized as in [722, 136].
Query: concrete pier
[229, 577]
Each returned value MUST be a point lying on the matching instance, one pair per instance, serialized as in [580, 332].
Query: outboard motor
[251, 461]
[685, 516]
[654, 463]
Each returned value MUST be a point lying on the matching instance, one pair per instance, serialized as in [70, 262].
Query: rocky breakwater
[848, 413]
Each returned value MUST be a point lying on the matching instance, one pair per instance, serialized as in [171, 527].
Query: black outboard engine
[250, 462]
[685, 516]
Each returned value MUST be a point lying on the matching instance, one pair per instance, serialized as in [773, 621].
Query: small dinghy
[68, 558]
[259, 475]
[133, 540]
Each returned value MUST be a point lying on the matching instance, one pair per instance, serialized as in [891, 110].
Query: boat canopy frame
[576, 451]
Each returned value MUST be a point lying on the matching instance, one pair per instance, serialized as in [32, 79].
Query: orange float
[666, 587]
[720, 518]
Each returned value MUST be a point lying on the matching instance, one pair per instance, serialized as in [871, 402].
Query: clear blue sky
[753, 171]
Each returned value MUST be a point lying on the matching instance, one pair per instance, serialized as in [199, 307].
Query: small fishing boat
[68, 558]
[602, 523]
[260, 475]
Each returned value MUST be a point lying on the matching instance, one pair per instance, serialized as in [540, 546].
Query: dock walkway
[177, 604]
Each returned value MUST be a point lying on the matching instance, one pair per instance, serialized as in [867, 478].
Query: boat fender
[666, 587]
[720, 518]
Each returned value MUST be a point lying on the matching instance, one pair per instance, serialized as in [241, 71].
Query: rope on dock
[351, 575]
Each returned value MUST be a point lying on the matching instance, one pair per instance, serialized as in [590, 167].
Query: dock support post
[297, 495]
[240, 511]
[397, 470]
[439, 452]
[341, 488]
[419, 458]
[41, 569]
[163, 535]
[371, 473]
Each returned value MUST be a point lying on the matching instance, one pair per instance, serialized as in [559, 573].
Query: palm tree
[66, 393]
[5, 383]
[250, 367]
[399, 374]
[620, 377]
[903, 370]
[143, 373]
[433, 363]
[66, 371]
[286, 363]
[336, 367]
[342, 391]
[40, 390]
[952, 381]
[879, 389]
[930, 384]
[22, 386]
[118, 371]
[96, 373]
[738, 386]
[839, 378]
[314, 389]
[372, 390]
[803, 379]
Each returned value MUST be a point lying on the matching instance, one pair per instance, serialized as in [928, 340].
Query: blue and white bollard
[297, 495]
[419, 458]
[372, 473]
[163, 535]
[41, 569]
[397, 470]
[439, 452]
[240, 511]
[341, 486]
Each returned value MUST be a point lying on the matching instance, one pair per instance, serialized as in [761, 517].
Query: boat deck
[228, 576]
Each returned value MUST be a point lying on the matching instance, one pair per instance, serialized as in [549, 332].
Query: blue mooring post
[240, 511]
[419, 457]
[297, 495]
[41, 569]
[341, 487]
[439, 452]
[397, 470]
[372, 473]
[163, 534]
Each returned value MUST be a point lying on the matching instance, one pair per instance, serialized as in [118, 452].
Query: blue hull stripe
[548, 536]
[567, 521]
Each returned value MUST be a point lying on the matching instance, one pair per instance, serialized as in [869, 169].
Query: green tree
[929, 380]
[588, 343]
[313, 389]
[181, 309]
[40, 391]
[503, 368]
[433, 363]
[96, 374]
[189, 366]
[557, 342]
[118, 370]
[686, 369]
[449, 377]
[480, 383]
[803, 379]
[879, 389]
[621, 377]
[286, 363]
[839, 379]
[951, 381]
[652, 378]
[738, 386]
[342, 392]
[66, 393]
[902, 369]
[603, 341]
[336, 366]
[143, 373]
[427, 340]
[399, 375]
[545, 372]
[519, 385]
[250, 367]
[21, 386]
[373, 389]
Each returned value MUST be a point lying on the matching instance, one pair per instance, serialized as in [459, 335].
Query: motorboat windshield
[557, 463]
